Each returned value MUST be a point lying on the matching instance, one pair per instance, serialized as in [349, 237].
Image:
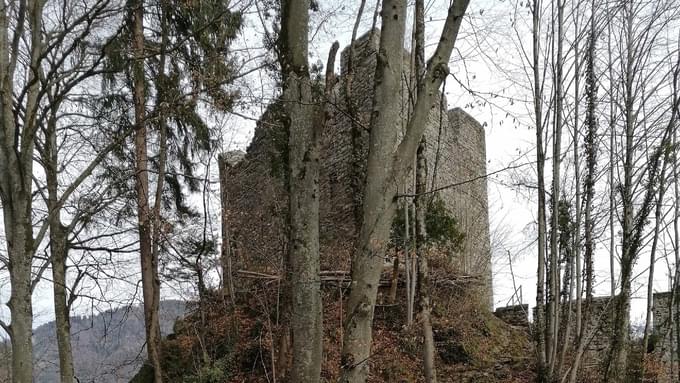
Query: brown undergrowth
[218, 342]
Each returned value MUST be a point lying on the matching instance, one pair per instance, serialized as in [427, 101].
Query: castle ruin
[664, 345]
[662, 348]
[257, 195]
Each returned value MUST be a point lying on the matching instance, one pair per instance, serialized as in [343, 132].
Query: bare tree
[640, 181]
[61, 56]
[305, 128]
[227, 253]
[421, 202]
[583, 315]
[16, 171]
[386, 169]
[149, 264]
[536, 11]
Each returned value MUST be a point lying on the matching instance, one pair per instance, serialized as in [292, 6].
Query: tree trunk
[675, 299]
[612, 161]
[423, 278]
[149, 265]
[378, 207]
[394, 283]
[421, 202]
[20, 251]
[553, 323]
[385, 170]
[16, 171]
[652, 260]
[577, 197]
[226, 256]
[429, 350]
[539, 327]
[408, 262]
[618, 353]
[58, 253]
[305, 126]
[583, 315]
[634, 223]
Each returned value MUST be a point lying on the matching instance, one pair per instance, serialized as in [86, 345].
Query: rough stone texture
[664, 347]
[517, 315]
[462, 162]
[599, 327]
[598, 330]
[455, 152]
[257, 196]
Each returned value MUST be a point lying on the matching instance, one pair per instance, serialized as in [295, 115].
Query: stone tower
[456, 159]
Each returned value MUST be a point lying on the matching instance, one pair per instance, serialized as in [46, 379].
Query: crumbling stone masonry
[455, 155]
[597, 330]
[664, 344]
[516, 315]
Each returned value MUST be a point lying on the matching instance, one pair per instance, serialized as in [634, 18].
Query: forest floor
[219, 342]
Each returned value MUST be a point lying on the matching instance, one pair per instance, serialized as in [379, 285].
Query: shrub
[442, 227]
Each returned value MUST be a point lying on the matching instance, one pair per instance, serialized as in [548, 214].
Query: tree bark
[577, 197]
[539, 328]
[58, 254]
[227, 255]
[421, 202]
[675, 298]
[305, 125]
[429, 351]
[16, 171]
[408, 261]
[149, 265]
[378, 206]
[553, 322]
[20, 251]
[394, 283]
[385, 170]
[583, 315]
[612, 159]
[652, 260]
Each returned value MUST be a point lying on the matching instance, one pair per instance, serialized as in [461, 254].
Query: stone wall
[462, 162]
[256, 196]
[597, 329]
[664, 347]
[455, 148]
[517, 315]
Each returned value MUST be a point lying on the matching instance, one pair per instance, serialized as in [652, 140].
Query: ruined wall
[463, 162]
[598, 331]
[455, 154]
[599, 328]
[256, 196]
[516, 315]
[665, 348]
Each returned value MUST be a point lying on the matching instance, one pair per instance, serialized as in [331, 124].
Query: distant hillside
[107, 348]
